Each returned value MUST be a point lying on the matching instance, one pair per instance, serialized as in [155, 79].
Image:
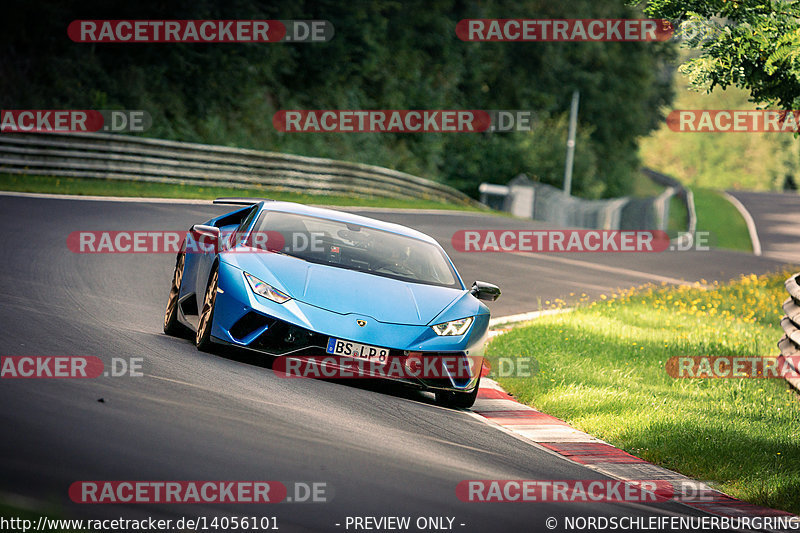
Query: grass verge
[753, 161]
[724, 223]
[643, 187]
[139, 189]
[677, 220]
[601, 368]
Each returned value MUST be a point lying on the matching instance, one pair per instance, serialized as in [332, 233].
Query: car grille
[283, 338]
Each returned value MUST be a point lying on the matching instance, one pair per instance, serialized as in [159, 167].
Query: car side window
[241, 231]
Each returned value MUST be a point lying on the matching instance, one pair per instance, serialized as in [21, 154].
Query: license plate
[357, 350]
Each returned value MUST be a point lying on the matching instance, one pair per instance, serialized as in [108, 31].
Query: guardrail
[685, 195]
[539, 201]
[790, 342]
[123, 157]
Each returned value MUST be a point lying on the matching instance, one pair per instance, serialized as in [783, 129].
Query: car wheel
[203, 338]
[458, 400]
[171, 324]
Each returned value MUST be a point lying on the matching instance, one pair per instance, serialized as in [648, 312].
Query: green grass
[676, 222]
[716, 215]
[643, 187]
[601, 368]
[749, 161]
[104, 187]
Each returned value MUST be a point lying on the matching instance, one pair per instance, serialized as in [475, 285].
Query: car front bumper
[298, 329]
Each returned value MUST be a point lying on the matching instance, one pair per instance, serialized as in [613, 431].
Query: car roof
[348, 218]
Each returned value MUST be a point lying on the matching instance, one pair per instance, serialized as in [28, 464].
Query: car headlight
[266, 290]
[452, 328]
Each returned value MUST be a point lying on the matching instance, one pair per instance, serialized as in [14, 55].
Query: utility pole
[573, 121]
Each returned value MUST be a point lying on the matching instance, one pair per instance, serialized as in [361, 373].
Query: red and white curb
[497, 407]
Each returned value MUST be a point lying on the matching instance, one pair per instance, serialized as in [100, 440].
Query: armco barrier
[539, 201]
[530, 199]
[790, 342]
[123, 157]
[683, 193]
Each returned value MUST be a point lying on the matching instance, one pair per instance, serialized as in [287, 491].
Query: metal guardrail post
[661, 206]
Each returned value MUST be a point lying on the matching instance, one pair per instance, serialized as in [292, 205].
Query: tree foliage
[385, 54]
[750, 44]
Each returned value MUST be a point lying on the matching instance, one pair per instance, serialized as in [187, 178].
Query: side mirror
[206, 238]
[485, 291]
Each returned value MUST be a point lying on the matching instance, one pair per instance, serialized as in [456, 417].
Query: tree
[750, 44]
[385, 55]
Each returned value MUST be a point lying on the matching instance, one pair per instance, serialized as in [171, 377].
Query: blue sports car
[298, 282]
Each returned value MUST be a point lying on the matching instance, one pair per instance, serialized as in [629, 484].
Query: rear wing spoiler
[241, 201]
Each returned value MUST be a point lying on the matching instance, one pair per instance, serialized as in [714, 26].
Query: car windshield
[353, 247]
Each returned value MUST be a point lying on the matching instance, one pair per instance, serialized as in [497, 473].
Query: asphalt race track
[777, 219]
[527, 279]
[195, 416]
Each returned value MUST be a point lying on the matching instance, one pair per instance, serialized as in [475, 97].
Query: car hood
[348, 291]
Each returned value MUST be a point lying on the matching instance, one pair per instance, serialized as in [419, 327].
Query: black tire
[171, 324]
[458, 400]
[203, 337]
